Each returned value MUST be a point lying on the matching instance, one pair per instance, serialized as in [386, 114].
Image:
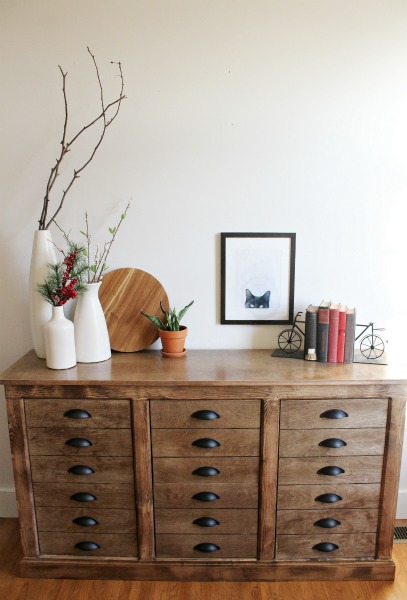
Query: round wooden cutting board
[123, 293]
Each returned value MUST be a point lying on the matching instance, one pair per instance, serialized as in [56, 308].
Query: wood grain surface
[373, 398]
[283, 581]
[294, 547]
[123, 294]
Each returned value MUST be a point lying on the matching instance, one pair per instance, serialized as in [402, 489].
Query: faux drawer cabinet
[222, 465]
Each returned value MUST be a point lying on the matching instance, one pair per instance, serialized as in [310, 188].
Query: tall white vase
[59, 340]
[40, 311]
[91, 334]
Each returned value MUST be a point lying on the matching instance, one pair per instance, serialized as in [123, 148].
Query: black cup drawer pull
[328, 498]
[332, 443]
[331, 470]
[81, 470]
[78, 442]
[205, 497]
[77, 413]
[206, 547]
[325, 547]
[327, 523]
[205, 443]
[206, 472]
[334, 413]
[85, 521]
[205, 522]
[205, 415]
[83, 497]
[87, 546]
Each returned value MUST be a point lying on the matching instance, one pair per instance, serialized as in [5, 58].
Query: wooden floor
[14, 588]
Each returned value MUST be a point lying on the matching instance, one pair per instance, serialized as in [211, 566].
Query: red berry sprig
[64, 279]
[68, 289]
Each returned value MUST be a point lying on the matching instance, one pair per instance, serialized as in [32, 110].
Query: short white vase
[59, 340]
[91, 335]
[43, 253]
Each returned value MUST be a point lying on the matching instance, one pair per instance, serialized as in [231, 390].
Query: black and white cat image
[253, 301]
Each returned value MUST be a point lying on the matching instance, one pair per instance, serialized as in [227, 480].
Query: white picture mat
[259, 264]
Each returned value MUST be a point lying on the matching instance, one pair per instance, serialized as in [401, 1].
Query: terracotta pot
[173, 342]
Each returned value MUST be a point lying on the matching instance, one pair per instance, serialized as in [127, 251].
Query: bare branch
[66, 146]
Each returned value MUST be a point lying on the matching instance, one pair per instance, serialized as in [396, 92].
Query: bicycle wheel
[289, 341]
[372, 346]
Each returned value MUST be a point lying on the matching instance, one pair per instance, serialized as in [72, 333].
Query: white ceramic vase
[91, 335]
[40, 311]
[59, 338]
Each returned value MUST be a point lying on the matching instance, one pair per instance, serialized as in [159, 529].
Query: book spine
[322, 334]
[349, 338]
[333, 335]
[310, 331]
[341, 337]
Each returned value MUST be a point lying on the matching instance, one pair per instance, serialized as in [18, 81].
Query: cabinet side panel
[391, 476]
[268, 479]
[22, 472]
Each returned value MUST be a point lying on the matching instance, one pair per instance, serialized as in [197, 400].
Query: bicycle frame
[295, 324]
[366, 327]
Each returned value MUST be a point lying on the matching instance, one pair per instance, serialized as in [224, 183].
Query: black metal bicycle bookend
[371, 345]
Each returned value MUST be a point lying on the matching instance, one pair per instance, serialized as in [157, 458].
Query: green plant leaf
[184, 310]
[154, 320]
[167, 316]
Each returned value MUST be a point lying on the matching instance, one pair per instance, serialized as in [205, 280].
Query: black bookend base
[281, 354]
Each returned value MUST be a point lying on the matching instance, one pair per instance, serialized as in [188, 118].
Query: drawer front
[94, 470]
[331, 442]
[206, 521]
[334, 520]
[219, 470]
[356, 495]
[296, 547]
[225, 495]
[355, 413]
[223, 442]
[65, 494]
[351, 469]
[108, 414]
[233, 414]
[86, 442]
[85, 520]
[206, 547]
[105, 544]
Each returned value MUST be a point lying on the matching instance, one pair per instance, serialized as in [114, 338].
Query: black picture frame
[257, 278]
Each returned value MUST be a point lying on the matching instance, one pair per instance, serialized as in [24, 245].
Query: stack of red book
[330, 331]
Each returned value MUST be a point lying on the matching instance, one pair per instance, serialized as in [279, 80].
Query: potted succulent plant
[171, 333]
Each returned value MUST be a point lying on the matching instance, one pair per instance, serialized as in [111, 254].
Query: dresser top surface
[209, 367]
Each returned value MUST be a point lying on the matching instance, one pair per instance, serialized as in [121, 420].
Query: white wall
[242, 115]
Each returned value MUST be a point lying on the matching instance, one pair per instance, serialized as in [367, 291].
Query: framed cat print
[257, 278]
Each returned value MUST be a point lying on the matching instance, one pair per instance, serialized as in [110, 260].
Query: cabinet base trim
[377, 570]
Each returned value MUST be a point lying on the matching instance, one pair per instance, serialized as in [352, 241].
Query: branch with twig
[66, 145]
[97, 266]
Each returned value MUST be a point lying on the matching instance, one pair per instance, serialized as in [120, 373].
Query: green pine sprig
[65, 279]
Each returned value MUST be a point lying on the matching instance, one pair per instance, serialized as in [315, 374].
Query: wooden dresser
[222, 465]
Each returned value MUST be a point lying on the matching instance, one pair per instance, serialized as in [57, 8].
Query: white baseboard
[8, 504]
[402, 505]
